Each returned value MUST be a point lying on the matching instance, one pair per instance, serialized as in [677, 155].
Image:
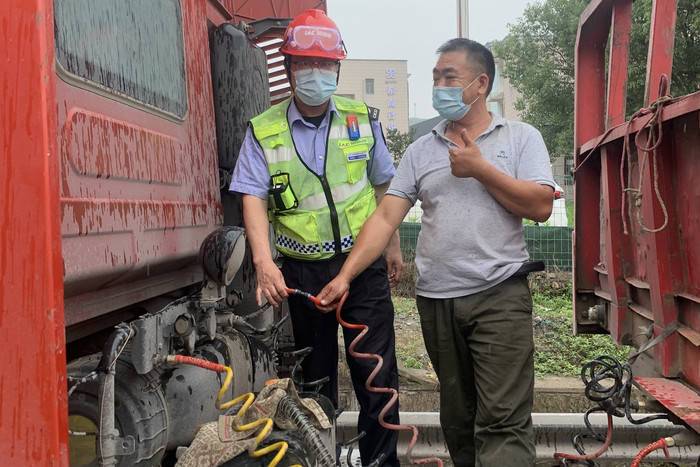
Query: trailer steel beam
[553, 433]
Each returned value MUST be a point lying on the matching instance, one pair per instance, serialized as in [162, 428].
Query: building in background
[421, 127]
[503, 95]
[562, 170]
[379, 83]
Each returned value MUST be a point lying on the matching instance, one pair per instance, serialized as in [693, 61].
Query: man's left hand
[467, 161]
[394, 263]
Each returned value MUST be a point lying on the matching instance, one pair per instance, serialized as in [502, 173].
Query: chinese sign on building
[390, 77]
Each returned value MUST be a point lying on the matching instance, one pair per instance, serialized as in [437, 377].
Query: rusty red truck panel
[138, 170]
[110, 182]
[33, 410]
[138, 176]
[637, 235]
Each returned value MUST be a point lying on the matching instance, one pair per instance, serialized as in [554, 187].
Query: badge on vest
[353, 146]
[357, 156]
[353, 128]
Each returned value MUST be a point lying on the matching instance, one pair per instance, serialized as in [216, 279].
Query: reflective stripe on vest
[331, 208]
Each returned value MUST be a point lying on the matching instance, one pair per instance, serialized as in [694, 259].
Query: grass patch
[405, 307]
[410, 349]
[557, 351]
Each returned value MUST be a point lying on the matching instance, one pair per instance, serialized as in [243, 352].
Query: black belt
[529, 266]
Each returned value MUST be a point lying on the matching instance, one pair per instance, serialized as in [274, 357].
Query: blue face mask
[449, 104]
[315, 86]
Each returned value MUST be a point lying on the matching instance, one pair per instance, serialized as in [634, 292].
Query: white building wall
[387, 89]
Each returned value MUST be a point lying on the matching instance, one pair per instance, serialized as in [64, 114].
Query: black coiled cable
[608, 383]
[618, 395]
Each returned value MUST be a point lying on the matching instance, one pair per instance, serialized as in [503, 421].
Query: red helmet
[313, 34]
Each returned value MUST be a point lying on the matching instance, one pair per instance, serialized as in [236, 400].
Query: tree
[538, 53]
[397, 143]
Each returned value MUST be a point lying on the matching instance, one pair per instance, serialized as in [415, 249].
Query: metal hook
[349, 444]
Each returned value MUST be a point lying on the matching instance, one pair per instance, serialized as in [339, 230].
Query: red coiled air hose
[364, 329]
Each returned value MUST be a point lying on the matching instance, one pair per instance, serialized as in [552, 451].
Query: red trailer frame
[643, 283]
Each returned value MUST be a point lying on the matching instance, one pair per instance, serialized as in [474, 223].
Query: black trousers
[369, 302]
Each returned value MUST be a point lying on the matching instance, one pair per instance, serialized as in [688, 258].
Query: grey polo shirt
[468, 242]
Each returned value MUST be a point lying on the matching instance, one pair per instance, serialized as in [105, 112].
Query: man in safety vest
[315, 166]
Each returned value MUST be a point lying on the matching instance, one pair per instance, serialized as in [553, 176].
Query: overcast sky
[413, 29]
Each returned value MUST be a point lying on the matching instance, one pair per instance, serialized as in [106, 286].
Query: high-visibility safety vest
[314, 216]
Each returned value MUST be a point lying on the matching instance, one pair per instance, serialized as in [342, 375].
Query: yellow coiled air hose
[264, 424]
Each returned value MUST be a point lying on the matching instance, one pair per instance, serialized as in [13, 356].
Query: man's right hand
[271, 283]
[332, 293]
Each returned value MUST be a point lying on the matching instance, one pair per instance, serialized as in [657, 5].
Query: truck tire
[140, 412]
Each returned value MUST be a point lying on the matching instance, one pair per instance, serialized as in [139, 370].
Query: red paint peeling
[100, 147]
[129, 171]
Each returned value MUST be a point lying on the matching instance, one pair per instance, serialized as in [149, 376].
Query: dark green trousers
[481, 347]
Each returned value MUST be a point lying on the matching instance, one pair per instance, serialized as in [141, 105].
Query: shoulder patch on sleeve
[373, 113]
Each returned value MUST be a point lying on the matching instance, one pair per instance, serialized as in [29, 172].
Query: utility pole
[463, 18]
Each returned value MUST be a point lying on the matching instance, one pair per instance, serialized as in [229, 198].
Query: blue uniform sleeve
[380, 169]
[251, 176]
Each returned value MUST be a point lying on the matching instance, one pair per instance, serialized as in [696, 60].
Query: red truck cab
[121, 123]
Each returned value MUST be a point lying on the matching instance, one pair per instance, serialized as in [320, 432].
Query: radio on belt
[353, 128]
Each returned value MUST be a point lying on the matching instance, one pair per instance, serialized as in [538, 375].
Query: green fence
[549, 244]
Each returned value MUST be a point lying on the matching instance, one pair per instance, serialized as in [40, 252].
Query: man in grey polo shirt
[477, 176]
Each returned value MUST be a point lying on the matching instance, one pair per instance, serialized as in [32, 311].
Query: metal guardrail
[553, 432]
